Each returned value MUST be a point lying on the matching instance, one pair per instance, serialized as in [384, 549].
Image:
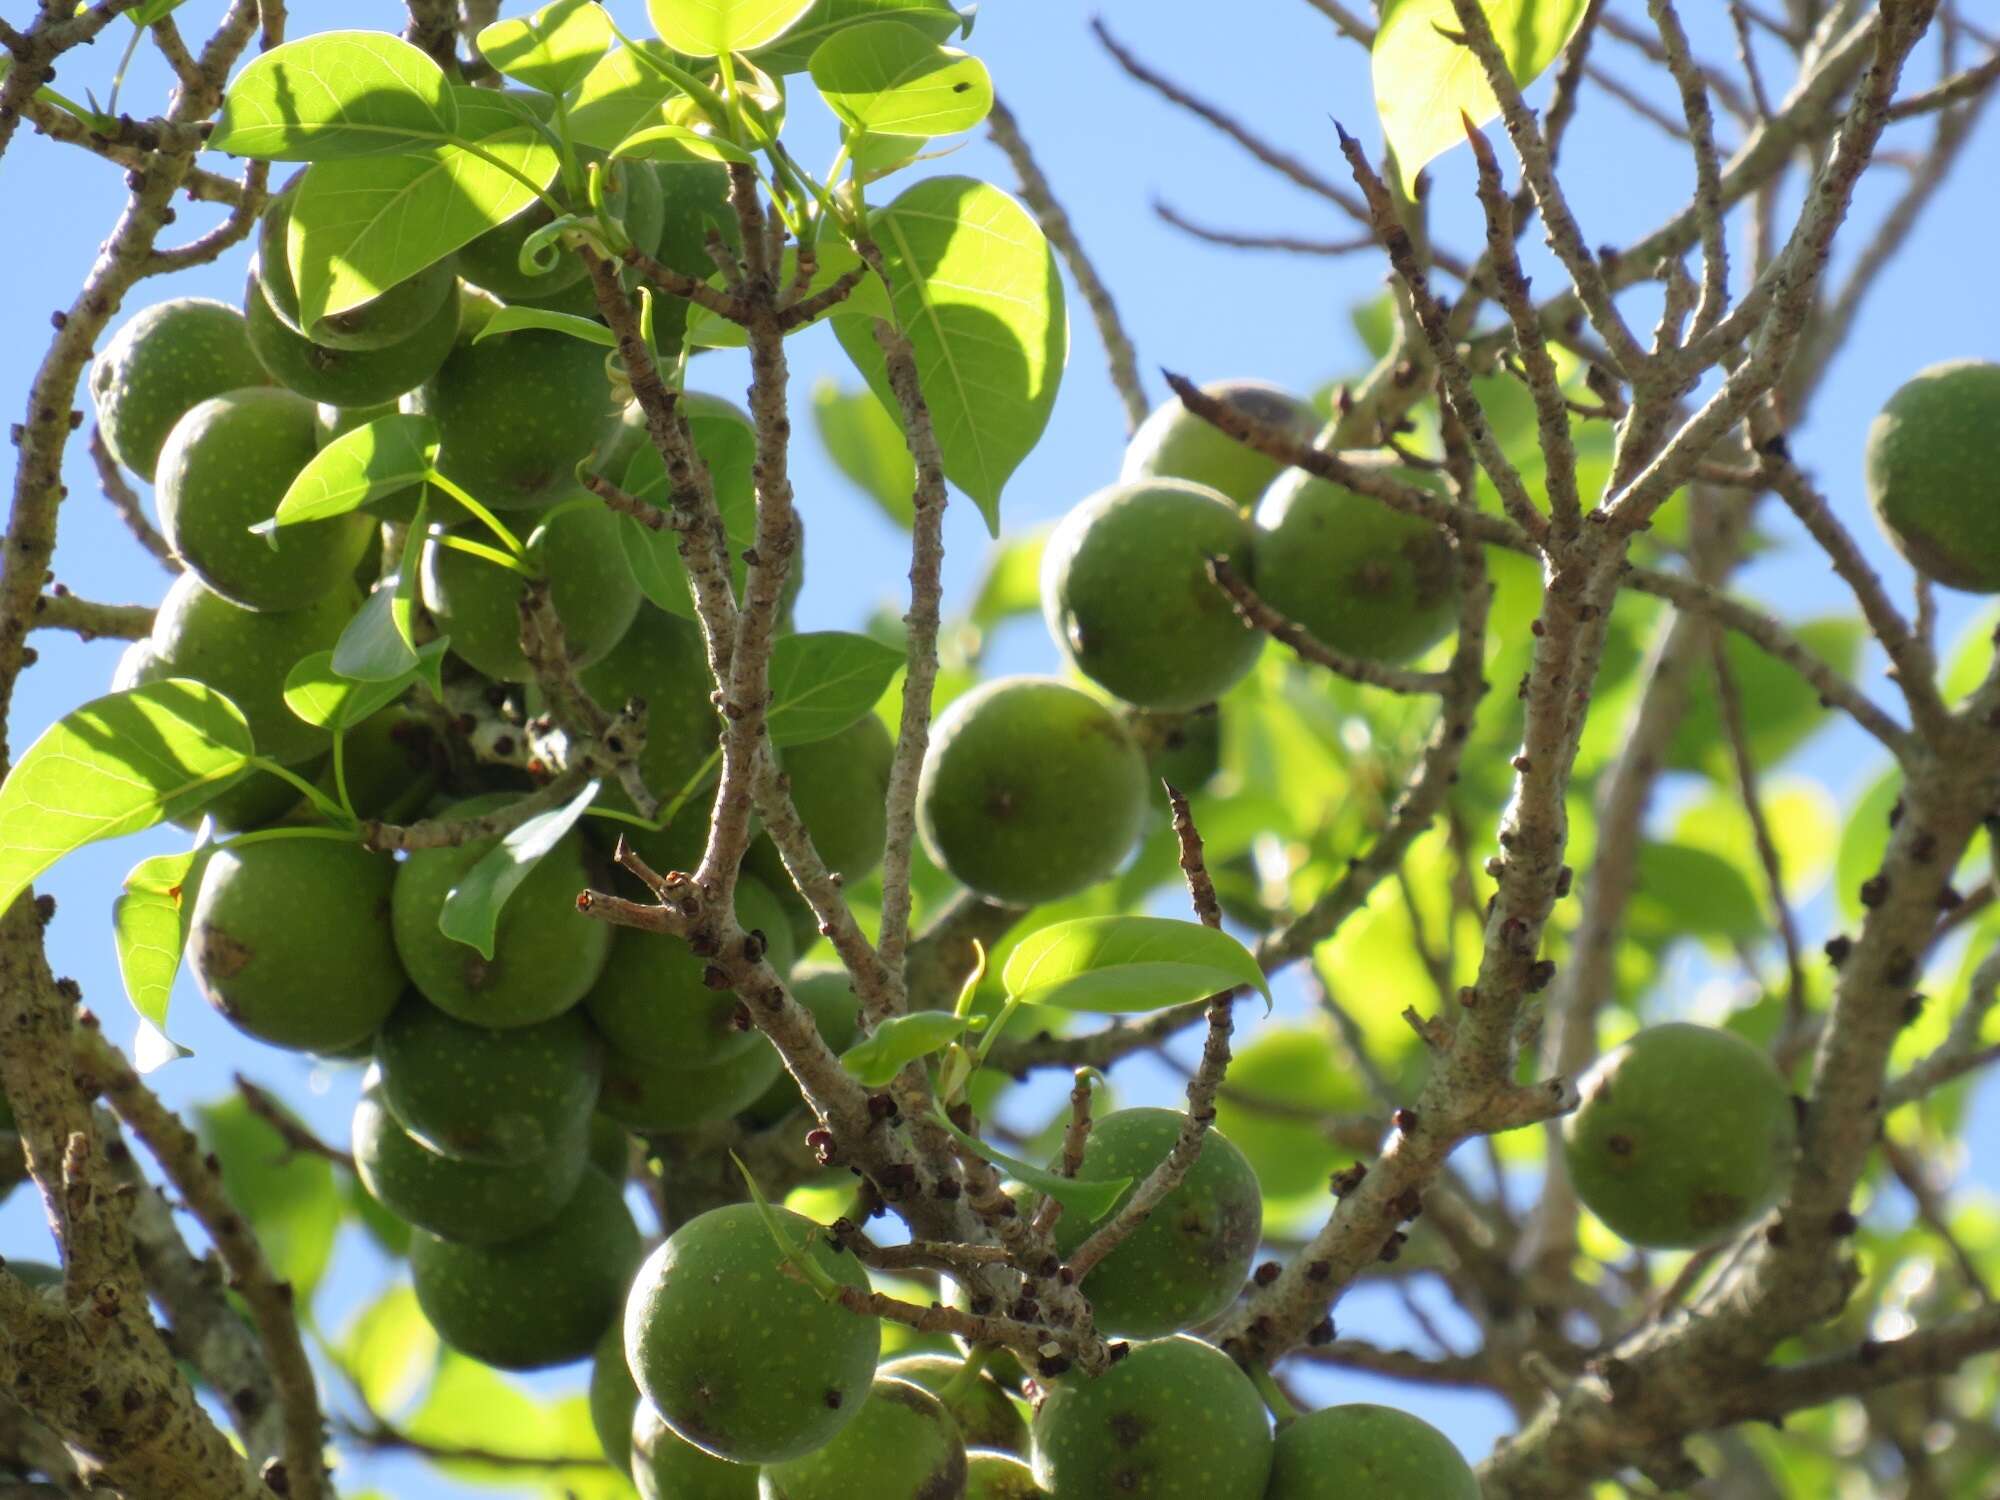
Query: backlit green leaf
[679, 143]
[824, 680]
[886, 78]
[149, 925]
[338, 94]
[322, 696]
[1127, 964]
[514, 319]
[553, 49]
[702, 28]
[792, 53]
[899, 1041]
[471, 912]
[867, 444]
[371, 649]
[384, 456]
[288, 1196]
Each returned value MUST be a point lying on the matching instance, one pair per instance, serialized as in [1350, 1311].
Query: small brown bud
[1267, 1273]
[1320, 1334]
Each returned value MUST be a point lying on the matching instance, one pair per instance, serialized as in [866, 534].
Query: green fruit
[390, 762]
[375, 324]
[999, 1476]
[1032, 790]
[1173, 1420]
[739, 1355]
[346, 377]
[245, 655]
[1684, 1136]
[1363, 1452]
[1173, 443]
[1188, 1261]
[765, 862]
[516, 414]
[1930, 473]
[1001, 1364]
[479, 1095]
[543, 1299]
[1126, 593]
[545, 956]
[901, 1445]
[493, 260]
[666, 1466]
[828, 993]
[1364, 579]
[652, 1006]
[840, 786]
[614, 1397]
[289, 939]
[225, 467]
[1183, 750]
[609, 1147]
[662, 661]
[985, 1414]
[647, 1096]
[478, 603]
[471, 1202]
[1292, 1070]
[164, 361]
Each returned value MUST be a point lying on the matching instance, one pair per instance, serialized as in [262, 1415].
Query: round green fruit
[494, 1097]
[901, 1445]
[828, 993]
[999, 1476]
[165, 360]
[614, 1397]
[1173, 1420]
[545, 956]
[840, 786]
[1931, 475]
[516, 414]
[661, 660]
[375, 324]
[471, 1202]
[540, 1300]
[225, 467]
[1032, 790]
[666, 1466]
[478, 603]
[739, 1355]
[1683, 1137]
[1126, 593]
[1362, 578]
[1183, 750]
[649, 1097]
[765, 862]
[245, 654]
[652, 1006]
[1174, 443]
[289, 939]
[346, 377]
[985, 1414]
[390, 762]
[1188, 1261]
[1363, 1452]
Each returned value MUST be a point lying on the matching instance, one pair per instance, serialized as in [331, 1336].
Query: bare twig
[1259, 615]
[123, 500]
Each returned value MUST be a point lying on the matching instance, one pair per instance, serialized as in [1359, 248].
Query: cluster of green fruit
[1034, 789]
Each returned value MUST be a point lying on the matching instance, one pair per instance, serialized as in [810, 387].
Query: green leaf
[471, 912]
[149, 925]
[553, 49]
[1126, 964]
[622, 95]
[976, 290]
[1424, 80]
[403, 599]
[1971, 655]
[514, 319]
[116, 765]
[936, 19]
[152, 12]
[384, 456]
[1684, 891]
[867, 444]
[1781, 710]
[341, 93]
[823, 681]
[1864, 841]
[472, 1407]
[371, 649]
[1091, 1197]
[679, 143]
[289, 1198]
[703, 28]
[1012, 584]
[360, 226]
[389, 1350]
[886, 78]
[323, 697]
[899, 1041]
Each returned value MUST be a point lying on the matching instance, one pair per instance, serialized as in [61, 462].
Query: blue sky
[1109, 147]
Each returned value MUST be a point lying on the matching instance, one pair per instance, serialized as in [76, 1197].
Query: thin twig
[1252, 609]
[123, 500]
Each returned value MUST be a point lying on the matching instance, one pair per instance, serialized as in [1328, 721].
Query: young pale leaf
[384, 456]
[679, 143]
[338, 94]
[824, 680]
[553, 49]
[471, 912]
[975, 289]
[886, 78]
[1425, 80]
[514, 319]
[116, 765]
[811, 1271]
[792, 53]
[1090, 1197]
[899, 1041]
[703, 28]
[149, 924]
[360, 226]
[371, 648]
[323, 697]
[1125, 964]
[867, 444]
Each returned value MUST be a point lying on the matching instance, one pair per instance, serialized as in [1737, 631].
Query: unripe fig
[162, 362]
[1363, 1452]
[985, 1414]
[1173, 443]
[661, 660]
[1931, 476]
[345, 377]
[614, 1398]
[840, 786]
[901, 1445]
[828, 992]
[386, 319]
[666, 1466]
[649, 1097]
[999, 1476]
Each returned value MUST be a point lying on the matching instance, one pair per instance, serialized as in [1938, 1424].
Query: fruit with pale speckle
[1364, 1452]
[901, 1445]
